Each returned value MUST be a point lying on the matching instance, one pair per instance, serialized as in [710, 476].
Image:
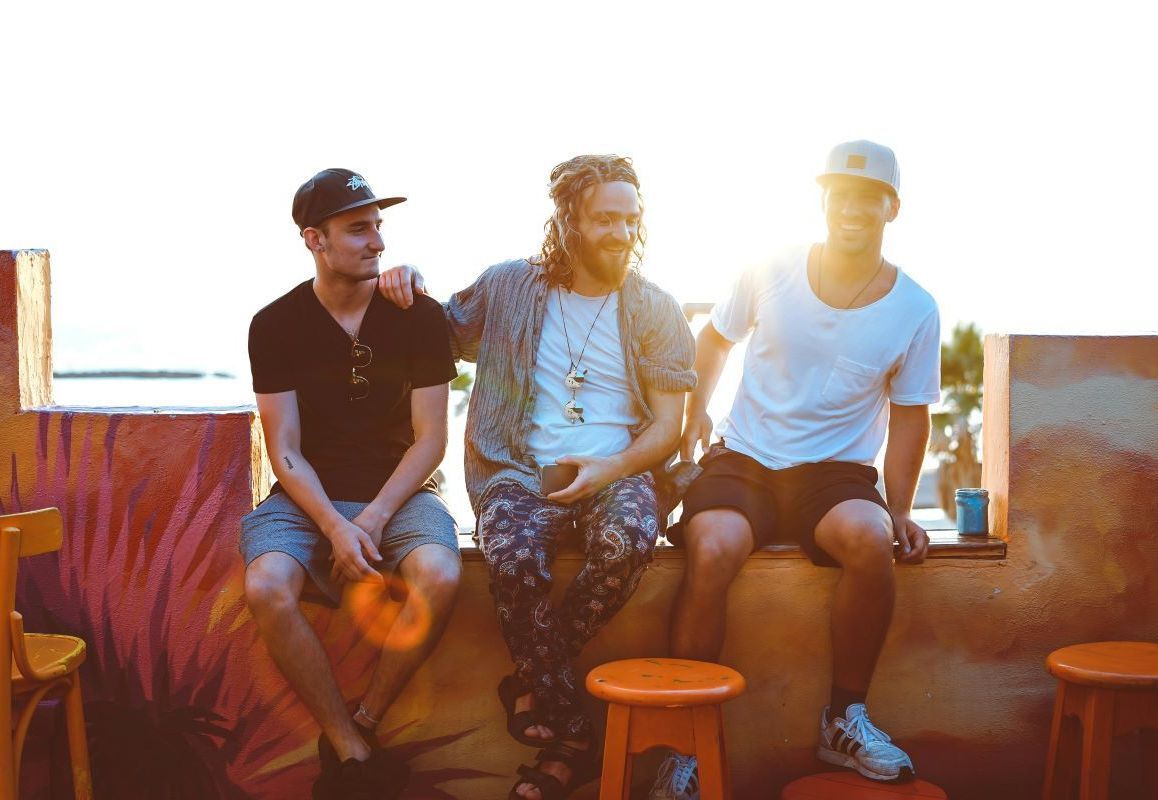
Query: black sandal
[580, 762]
[517, 723]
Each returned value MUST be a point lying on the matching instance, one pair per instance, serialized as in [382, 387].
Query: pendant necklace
[855, 297]
[576, 375]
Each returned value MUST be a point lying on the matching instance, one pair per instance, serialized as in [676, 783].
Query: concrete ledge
[942, 544]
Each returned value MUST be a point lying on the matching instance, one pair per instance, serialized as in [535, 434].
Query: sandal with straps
[580, 762]
[517, 722]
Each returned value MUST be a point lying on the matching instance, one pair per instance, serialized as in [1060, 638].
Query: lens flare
[390, 614]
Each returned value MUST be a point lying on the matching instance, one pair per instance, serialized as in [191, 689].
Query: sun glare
[1020, 152]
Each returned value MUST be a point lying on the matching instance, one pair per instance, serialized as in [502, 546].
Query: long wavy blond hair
[569, 181]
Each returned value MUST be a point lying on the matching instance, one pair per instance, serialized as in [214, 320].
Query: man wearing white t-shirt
[844, 348]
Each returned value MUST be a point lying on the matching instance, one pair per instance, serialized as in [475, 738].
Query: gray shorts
[279, 525]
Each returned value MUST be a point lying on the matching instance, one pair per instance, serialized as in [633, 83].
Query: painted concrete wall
[181, 696]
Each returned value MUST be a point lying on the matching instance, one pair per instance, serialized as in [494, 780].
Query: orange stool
[664, 702]
[851, 786]
[1112, 689]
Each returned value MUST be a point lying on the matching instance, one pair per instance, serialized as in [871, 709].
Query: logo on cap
[356, 182]
[855, 162]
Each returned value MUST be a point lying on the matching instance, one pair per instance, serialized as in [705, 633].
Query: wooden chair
[39, 663]
[664, 702]
[1112, 689]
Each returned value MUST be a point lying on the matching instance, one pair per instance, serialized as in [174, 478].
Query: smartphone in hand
[554, 477]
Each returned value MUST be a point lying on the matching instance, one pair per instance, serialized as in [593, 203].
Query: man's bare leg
[718, 542]
[431, 573]
[273, 585]
[859, 535]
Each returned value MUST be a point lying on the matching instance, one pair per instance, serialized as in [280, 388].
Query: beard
[604, 266]
[610, 271]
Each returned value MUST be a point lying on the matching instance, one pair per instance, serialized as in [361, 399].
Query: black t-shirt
[353, 445]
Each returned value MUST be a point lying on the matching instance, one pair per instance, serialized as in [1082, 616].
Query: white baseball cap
[863, 159]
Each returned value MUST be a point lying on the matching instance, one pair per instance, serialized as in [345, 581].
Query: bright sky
[154, 148]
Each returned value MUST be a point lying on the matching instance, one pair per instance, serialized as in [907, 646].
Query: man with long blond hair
[582, 369]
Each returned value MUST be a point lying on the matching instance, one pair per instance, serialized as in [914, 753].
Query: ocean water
[206, 392]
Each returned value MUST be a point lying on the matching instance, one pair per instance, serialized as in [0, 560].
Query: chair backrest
[41, 531]
[26, 534]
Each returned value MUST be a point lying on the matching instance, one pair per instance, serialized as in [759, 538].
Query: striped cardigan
[497, 322]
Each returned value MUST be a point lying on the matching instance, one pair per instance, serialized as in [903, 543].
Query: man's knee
[433, 570]
[718, 542]
[622, 552]
[271, 587]
[863, 542]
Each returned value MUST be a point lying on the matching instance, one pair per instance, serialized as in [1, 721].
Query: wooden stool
[851, 786]
[664, 702]
[1112, 689]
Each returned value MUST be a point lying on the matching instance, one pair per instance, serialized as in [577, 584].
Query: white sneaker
[854, 742]
[676, 779]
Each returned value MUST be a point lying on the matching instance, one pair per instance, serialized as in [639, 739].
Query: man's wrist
[377, 515]
[332, 525]
[620, 467]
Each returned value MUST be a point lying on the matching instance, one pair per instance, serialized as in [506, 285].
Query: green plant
[957, 424]
[464, 383]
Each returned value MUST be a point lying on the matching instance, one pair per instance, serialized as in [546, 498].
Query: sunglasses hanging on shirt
[360, 357]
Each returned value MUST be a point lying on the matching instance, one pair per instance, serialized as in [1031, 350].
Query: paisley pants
[518, 531]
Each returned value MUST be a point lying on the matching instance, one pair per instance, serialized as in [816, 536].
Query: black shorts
[781, 505]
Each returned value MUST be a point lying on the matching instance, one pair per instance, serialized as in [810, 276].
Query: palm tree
[956, 425]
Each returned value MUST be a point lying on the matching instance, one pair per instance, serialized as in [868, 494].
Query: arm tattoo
[289, 463]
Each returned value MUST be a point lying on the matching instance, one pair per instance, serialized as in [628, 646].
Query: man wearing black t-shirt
[352, 394]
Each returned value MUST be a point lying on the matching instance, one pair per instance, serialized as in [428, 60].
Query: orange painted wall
[150, 576]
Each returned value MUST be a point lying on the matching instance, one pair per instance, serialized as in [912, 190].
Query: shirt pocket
[849, 382]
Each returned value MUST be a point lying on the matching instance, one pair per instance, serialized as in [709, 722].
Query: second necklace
[576, 375]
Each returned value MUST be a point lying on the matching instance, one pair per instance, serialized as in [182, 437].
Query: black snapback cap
[331, 192]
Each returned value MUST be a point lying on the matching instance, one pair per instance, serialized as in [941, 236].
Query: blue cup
[972, 512]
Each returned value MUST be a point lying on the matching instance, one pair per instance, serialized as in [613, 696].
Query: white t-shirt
[818, 380]
[605, 396]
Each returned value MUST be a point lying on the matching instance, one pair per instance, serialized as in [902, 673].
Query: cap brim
[383, 202]
[823, 179]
